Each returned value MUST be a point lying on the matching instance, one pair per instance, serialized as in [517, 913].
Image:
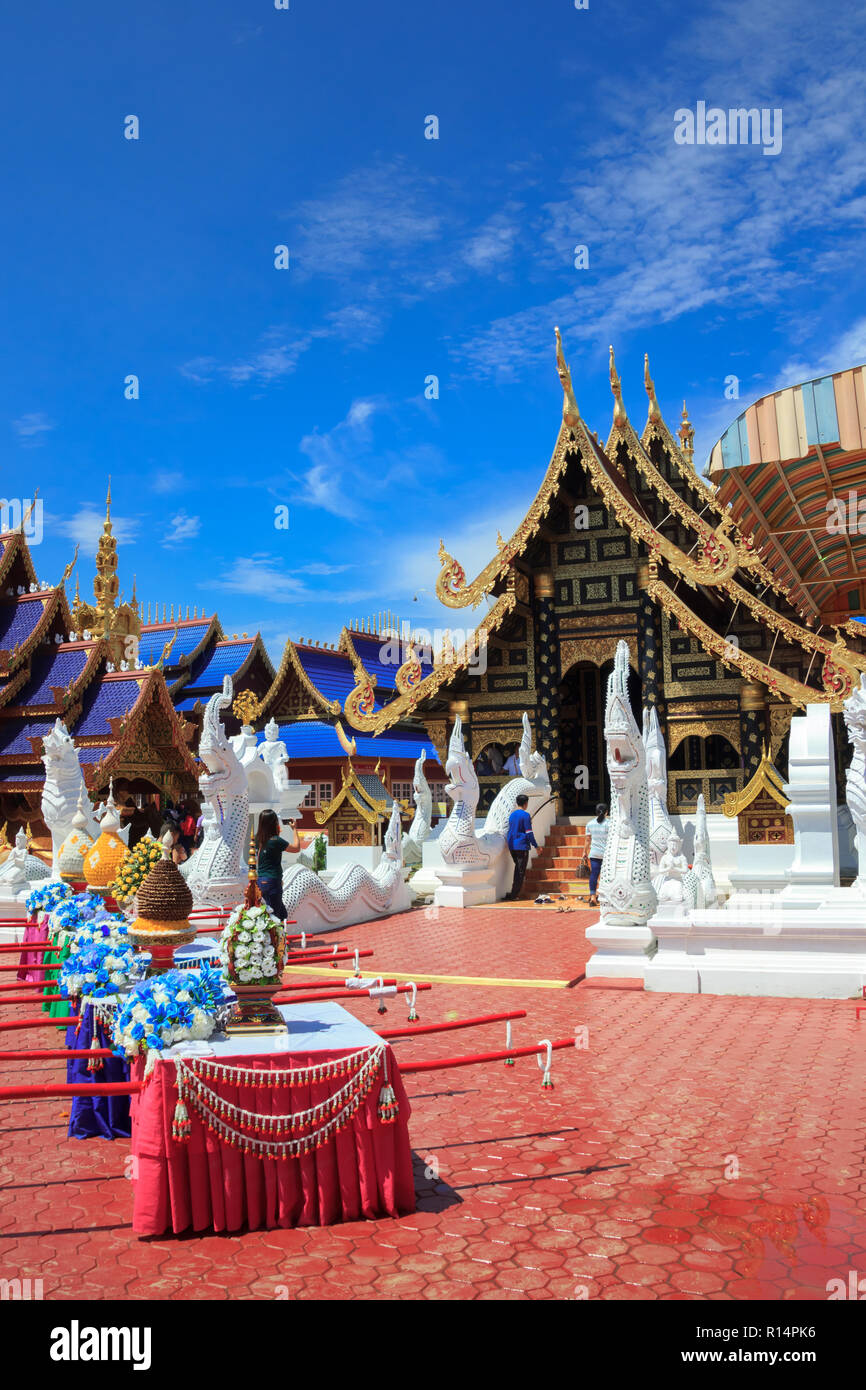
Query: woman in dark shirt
[272, 847]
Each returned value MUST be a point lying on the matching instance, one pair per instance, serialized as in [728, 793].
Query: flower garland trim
[293, 1147]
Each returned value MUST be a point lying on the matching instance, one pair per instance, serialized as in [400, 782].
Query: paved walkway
[696, 1148]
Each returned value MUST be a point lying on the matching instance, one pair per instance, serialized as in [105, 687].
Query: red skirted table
[244, 1164]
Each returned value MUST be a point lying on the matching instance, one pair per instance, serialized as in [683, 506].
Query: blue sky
[304, 388]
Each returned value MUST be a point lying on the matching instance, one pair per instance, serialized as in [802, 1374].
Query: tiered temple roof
[134, 717]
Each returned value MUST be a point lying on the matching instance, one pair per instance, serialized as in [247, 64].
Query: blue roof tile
[15, 734]
[189, 636]
[312, 738]
[330, 672]
[18, 618]
[51, 667]
[107, 699]
[222, 659]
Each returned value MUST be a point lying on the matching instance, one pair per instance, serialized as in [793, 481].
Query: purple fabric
[105, 1117]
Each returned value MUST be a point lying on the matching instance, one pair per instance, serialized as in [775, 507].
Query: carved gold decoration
[437, 733]
[731, 656]
[780, 723]
[482, 735]
[246, 707]
[410, 674]
[359, 707]
[597, 650]
[680, 729]
[291, 662]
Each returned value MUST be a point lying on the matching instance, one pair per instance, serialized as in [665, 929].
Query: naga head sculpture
[419, 781]
[461, 774]
[58, 748]
[533, 766]
[656, 754]
[702, 839]
[626, 757]
[394, 835]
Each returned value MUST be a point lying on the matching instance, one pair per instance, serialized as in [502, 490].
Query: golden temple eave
[765, 779]
[359, 707]
[290, 664]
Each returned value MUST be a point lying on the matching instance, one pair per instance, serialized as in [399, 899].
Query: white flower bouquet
[253, 947]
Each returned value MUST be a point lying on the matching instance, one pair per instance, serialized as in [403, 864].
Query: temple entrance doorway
[582, 696]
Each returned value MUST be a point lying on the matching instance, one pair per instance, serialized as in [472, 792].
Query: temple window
[320, 794]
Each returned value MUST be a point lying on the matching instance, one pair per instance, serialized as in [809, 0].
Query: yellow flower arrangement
[134, 868]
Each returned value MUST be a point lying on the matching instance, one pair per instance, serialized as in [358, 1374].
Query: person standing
[520, 837]
[272, 847]
[597, 831]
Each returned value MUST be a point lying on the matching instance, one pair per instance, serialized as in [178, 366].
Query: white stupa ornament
[70, 859]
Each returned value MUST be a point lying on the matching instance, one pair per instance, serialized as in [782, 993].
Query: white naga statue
[420, 827]
[459, 843]
[217, 871]
[660, 825]
[354, 894]
[625, 892]
[702, 865]
[64, 783]
[854, 714]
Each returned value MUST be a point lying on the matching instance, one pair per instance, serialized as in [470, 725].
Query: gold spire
[686, 434]
[570, 412]
[619, 415]
[654, 413]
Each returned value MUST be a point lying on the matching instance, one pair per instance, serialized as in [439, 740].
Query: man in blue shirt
[520, 837]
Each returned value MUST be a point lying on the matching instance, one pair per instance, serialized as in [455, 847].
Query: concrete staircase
[554, 870]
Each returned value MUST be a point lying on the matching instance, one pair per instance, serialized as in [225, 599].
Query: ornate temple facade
[623, 540]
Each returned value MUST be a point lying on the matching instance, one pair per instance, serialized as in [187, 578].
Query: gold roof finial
[686, 434]
[619, 415]
[570, 412]
[29, 512]
[106, 525]
[500, 543]
[654, 413]
[67, 573]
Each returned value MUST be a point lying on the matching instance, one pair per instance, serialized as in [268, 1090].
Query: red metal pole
[412, 1028]
[30, 998]
[345, 994]
[75, 1088]
[55, 1054]
[443, 1062]
[43, 1021]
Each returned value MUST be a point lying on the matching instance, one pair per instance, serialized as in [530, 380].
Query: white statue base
[771, 952]
[621, 952]
[806, 941]
[465, 885]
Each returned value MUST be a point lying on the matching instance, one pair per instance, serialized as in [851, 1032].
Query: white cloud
[85, 527]
[31, 427]
[181, 527]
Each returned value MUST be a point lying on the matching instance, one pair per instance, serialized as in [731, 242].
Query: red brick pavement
[697, 1148]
